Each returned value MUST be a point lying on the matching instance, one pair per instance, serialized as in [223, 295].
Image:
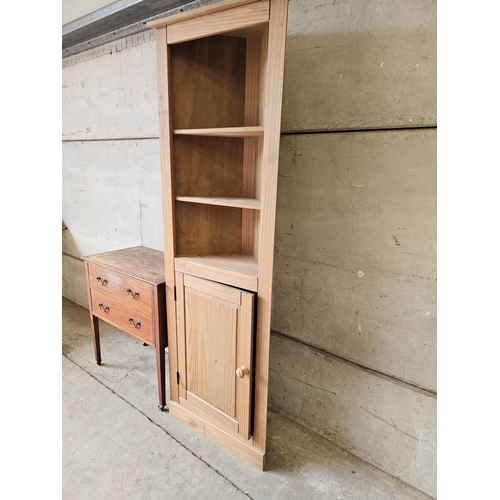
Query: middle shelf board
[250, 203]
[222, 132]
[231, 269]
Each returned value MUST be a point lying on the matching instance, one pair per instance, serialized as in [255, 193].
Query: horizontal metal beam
[118, 19]
[106, 12]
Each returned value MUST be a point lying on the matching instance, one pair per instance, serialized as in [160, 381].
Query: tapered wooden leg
[160, 368]
[94, 323]
[161, 342]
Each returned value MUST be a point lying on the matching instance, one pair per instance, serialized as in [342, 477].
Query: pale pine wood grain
[218, 329]
[221, 82]
[249, 148]
[247, 131]
[262, 75]
[222, 22]
[270, 157]
[209, 412]
[251, 32]
[234, 443]
[208, 166]
[207, 229]
[199, 12]
[244, 358]
[256, 234]
[211, 326]
[246, 203]
[165, 126]
[236, 270]
[211, 288]
[208, 81]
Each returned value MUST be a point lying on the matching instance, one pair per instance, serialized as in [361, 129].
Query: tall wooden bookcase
[220, 80]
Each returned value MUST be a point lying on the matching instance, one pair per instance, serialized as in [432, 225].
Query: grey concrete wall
[353, 352]
[355, 270]
[110, 177]
[354, 64]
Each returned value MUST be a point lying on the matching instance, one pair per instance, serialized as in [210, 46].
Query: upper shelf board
[249, 203]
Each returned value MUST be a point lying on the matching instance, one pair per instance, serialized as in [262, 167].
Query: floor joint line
[159, 426]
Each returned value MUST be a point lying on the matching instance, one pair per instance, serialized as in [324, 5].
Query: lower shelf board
[248, 203]
[236, 270]
[236, 445]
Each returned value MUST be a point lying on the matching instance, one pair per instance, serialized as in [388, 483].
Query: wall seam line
[291, 132]
[409, 385]
[113, 139]
[346, 130]
[72, 256]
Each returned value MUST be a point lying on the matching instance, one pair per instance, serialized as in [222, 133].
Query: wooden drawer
[123, 315]
[120, 285]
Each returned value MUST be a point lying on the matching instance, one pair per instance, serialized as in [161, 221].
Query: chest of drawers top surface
[141, 263]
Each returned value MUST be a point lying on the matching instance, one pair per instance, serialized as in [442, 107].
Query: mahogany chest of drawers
[126, 288]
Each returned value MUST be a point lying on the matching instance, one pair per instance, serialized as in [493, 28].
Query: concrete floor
[117, 444]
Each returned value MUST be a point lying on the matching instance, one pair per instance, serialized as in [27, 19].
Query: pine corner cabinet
[220, 81]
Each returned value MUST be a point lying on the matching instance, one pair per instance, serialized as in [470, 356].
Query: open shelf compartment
[217, 139]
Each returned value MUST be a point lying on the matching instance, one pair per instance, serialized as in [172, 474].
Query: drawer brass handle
[101, 281]
[241, 372]
[102, 308]
[131, 321]
[133, 296]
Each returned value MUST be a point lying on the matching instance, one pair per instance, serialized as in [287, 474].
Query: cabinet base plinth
[239, 447]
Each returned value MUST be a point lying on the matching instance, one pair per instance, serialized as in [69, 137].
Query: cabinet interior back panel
[208, 81]
[208, 166]
[207, 229]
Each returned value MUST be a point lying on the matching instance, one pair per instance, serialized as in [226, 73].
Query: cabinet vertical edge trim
[165, 127]
[269, 180]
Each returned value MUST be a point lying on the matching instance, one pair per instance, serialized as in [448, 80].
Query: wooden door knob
[241, 372]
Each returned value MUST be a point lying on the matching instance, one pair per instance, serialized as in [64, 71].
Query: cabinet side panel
[164, 115]
[269, 180]
[263, 42]
[249, 154]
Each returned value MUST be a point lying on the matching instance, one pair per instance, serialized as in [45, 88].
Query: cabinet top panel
[240, 20]
[140, 262]
[202, 11]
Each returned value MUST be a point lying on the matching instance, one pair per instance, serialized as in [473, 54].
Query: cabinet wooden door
[215, 334]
